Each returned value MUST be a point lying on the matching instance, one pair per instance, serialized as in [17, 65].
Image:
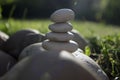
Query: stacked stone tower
[60, 37]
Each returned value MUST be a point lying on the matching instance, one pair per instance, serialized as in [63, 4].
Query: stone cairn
[60, 37]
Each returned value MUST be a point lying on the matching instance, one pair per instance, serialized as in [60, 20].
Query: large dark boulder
[53, 65]
[21, 39]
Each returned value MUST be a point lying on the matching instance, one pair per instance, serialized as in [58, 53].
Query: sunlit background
[93, 10]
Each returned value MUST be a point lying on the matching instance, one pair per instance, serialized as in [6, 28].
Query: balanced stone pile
[48, 60]
[60, 37]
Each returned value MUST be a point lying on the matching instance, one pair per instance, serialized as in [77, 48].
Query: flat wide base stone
[51, 65]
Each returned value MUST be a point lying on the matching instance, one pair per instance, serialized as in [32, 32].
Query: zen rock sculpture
[56, 59]
[61, 38]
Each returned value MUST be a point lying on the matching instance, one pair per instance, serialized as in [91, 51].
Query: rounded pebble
[62, 15]
[68, 46]
[59, 36]
[60, 27]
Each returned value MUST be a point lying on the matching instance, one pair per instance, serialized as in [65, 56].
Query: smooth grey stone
[62, 15]
[52, 65]
[6, 63]
[14, 43]
[91, 65]
[60, 27]
[32, 49]
[70, 46]
[82, 42]
[59, 36]
[3, 37]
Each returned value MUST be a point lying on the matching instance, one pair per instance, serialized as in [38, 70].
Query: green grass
[11, 26]
[95, 29]
[85, 28]
[107, 47]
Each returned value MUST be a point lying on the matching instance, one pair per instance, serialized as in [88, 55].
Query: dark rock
[31, 39]
[20, 40]
[6, 63]
[52, 65]
[82, 42]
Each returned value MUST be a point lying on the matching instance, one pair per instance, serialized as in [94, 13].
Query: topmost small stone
[62, 15]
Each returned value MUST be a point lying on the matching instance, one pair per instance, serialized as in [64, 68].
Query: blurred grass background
[86, 28]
